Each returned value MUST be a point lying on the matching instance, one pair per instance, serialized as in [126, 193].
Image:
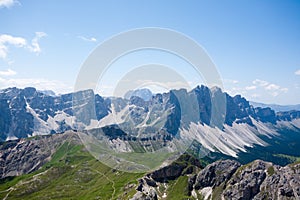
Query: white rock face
[207, 193]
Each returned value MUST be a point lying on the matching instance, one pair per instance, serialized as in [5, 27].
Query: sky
[255, 44]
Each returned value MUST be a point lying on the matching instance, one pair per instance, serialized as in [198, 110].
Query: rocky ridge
[228, 179]
[24, 156]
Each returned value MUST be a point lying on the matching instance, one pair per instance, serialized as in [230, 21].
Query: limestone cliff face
[28, 112]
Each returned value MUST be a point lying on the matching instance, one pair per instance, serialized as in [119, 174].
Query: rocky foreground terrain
[186, 178]
[228, 179]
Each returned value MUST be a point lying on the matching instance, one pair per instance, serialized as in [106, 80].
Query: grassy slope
[177, 189]
[71, 174]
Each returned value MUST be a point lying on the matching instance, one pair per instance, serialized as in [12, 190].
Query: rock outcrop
[216, 173]
[256, 180]
[228, 179]
[246, 182]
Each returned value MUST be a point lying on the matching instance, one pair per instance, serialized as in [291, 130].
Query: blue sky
[254, 44]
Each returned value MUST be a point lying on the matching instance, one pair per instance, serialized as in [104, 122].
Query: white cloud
[230, 81]
[297, 72]
[35, 47]
[8, 3]
[6, 40]
[255, 95]
[284, 89]
[260, 82]
[259, 90]
[9, 40]
[8, 72]
[10, 62]
[252, 87]
[272, 87]
[275, 94]
[40, 84]
[91, 39]
[268, 86]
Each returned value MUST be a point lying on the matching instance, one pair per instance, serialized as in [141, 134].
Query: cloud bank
[7, 41]
[8, 72]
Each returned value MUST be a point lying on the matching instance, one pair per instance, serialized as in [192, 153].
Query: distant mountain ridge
[276, 107]
[143, 93]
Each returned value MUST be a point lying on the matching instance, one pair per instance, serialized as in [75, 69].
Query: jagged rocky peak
[172, 111]
[29, 92]
[143, 93]
[48, 92]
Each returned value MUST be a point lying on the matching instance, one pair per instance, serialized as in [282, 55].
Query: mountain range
[29, 112]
